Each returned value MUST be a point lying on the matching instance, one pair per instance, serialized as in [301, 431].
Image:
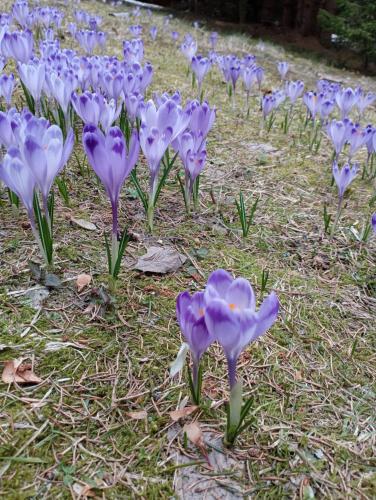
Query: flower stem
[339, 210]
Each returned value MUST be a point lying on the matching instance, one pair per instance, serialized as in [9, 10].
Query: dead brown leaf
[16, 371]
[137, 415]
[183, 412]
[82, 281]
[194, 434]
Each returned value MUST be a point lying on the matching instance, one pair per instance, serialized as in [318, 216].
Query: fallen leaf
[85, 224]
[194, 434]
[137, 415]
[83, 490]
[183, 412]
[18, 371]
[160, 260]
[82, 281]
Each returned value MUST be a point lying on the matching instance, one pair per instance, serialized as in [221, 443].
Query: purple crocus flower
[88, 106]
[190, 315]
[357, 137]
[153, 32]
[46, 155]
[72, 28]
[7, 84]
[249, 77]
[325, 106]
[189, 49]
[20, 11]
[175, 36]
[133, 50]
[310, 99]
[33, 76]
[202, 117]
[61, 87]
[283, 68]
[344, 177]
[364, 100]
[136, 30]
[18, 45]
[8, 122]
[159, 127]
[260, 74]
[132, 103]
[337, 132]
[19, 178]
[200, 66]
[346, 100]
[112, 162]
[268, 104]
[213, 39]
[294, 90]
[231, 317]
[373, 222]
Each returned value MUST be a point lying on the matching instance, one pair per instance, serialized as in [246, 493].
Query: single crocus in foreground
[112, 162]
[343, 179]
[231, 318]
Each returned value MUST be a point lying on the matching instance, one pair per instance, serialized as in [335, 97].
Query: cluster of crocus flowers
[225, 312]
[36, 154]
[112, 161]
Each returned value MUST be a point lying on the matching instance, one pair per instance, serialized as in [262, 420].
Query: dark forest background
[345, 28]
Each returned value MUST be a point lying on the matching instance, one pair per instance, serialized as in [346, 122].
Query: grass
[311, 377]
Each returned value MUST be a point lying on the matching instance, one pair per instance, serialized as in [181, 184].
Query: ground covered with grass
[98, 424]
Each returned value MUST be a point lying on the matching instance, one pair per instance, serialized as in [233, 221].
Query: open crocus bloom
[231, 316]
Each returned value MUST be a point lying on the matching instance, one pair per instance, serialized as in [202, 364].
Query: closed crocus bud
[249, 77]
[260, 75]
[356, 138]
[373, 222]
[310, 99]
[200, 66]
[283, 68]
[7, 127]
[46, 155]
[18, 45]
[346, 100]
[294, 90]
[344, 177]
[213, 39]
[88, 106]
[189, 49]
[132, 103]
[190, 310]
[153, 32]
[337, 132]
[20, 12]
[112, 84]
[19, 178]
[7, 84]
[175, 36]
[62, 86]
[33, 75]
[109, 113]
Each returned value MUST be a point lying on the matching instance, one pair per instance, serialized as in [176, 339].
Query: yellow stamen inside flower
[232, 307]
[201, 311]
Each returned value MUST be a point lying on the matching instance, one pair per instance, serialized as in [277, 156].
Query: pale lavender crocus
[260, 75]
[153, 32]
[175, 36]
[337, 132]
[200, 66]
[190, 310]
[189, 49]
[310, 99]
[112, 161]
[364, 101]
[213, 39]
[159, 127]
[18, 45]
[343, 178]
[356, 138]
[88, 106]
[46, 154]
[7, 84]
[346, 100]
[283, 68]
[294, 89]
[33, 76]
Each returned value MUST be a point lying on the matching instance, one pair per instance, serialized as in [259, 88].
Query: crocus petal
[266, 315]
[218, 283]
[223, 325]
[241, 294]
